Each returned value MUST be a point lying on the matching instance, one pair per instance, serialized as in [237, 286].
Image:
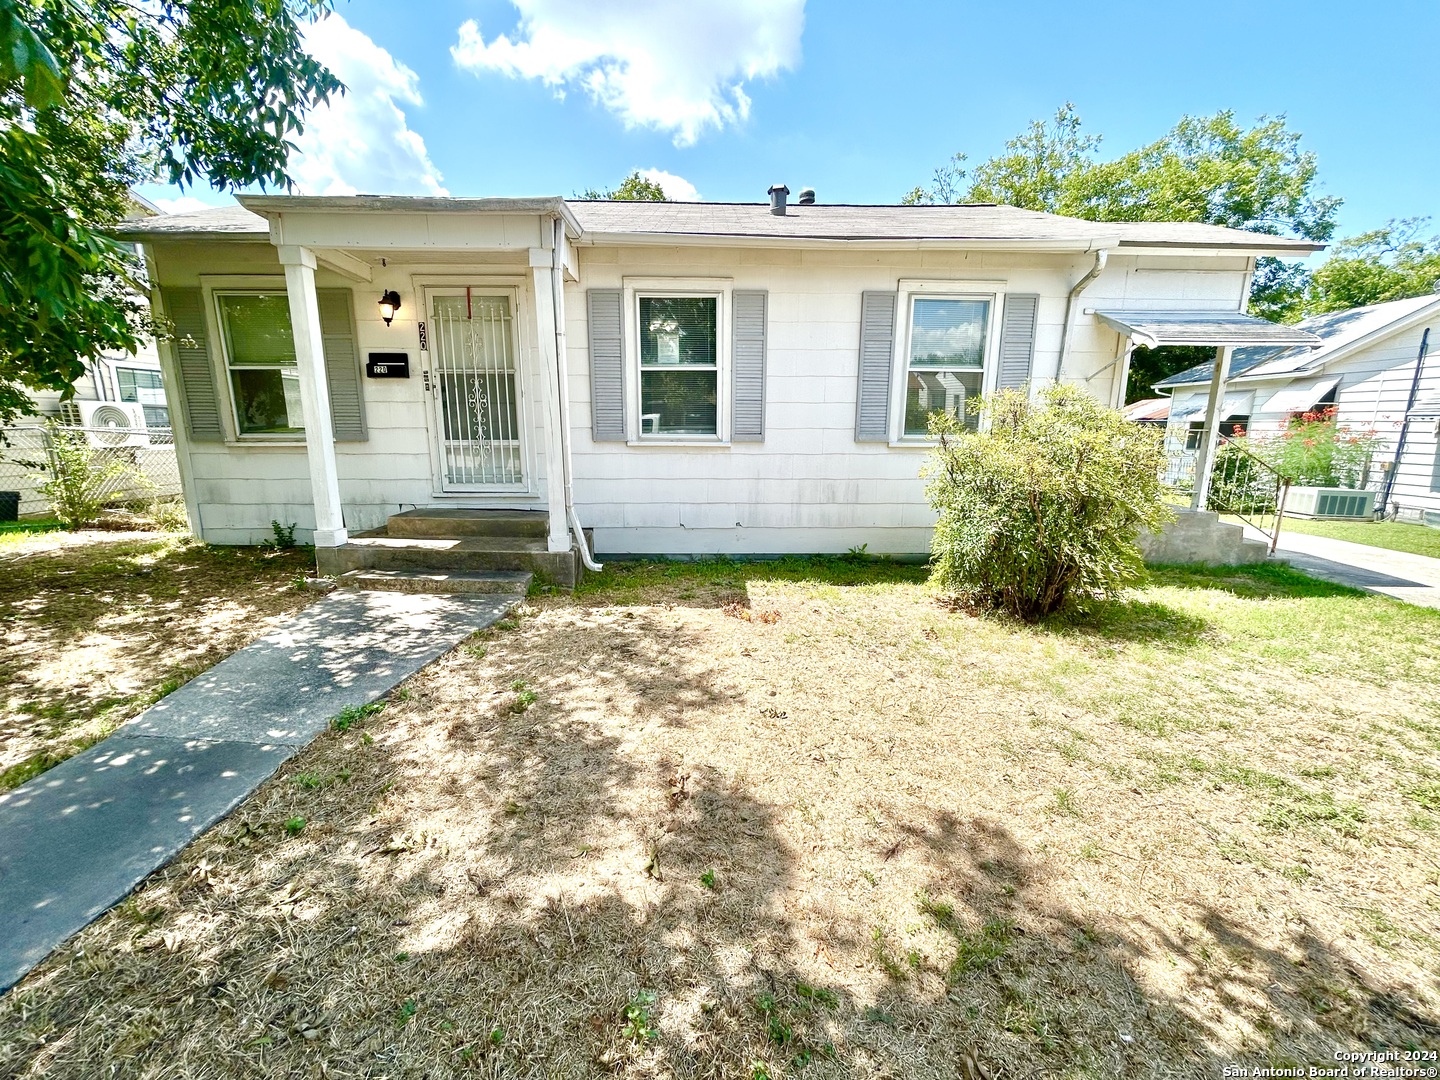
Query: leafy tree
[100, 95]
[1392, 263]
[1206, 168]
[634, 188]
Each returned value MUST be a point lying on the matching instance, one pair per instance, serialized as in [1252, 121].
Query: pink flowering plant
[1316, 450]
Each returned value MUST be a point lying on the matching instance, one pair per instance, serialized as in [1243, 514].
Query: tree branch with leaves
[97, 96]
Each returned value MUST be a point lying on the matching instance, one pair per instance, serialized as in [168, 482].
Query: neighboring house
[1152, 411]
[1368, 367]
[129, 382]
[671, 378]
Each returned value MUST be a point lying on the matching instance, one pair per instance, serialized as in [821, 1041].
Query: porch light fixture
[389, 304]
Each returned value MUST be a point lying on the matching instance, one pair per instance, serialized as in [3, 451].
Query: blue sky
[859, 100]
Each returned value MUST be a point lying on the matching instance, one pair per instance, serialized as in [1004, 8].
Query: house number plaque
[387, 365]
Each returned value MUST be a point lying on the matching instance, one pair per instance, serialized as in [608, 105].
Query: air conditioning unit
[107, 424]
[1344, 504]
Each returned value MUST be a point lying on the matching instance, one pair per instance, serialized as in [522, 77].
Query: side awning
[1193, 410]
[1426, 407]
[1233, 328]
[1299, 398]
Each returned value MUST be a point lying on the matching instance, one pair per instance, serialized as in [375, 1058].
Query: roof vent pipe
[777, 194]
[807, 197]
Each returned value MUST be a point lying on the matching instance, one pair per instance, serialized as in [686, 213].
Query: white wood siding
[810, 487]
[1371, 397]
[241, 488]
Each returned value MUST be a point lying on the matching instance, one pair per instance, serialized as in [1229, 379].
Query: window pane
[948, 333]
[267, 401]
[257, 329]
[677, 330]
[156, 416]
[126, 378]
[677, 402]
[939, 392]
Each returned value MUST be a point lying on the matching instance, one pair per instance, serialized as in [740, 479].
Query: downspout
[557, 305]
[1405, 424]
[1101, 258]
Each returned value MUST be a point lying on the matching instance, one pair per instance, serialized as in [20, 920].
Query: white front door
[478, 421]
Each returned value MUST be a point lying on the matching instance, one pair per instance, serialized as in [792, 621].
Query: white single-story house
[1372, 366]
[650, 378]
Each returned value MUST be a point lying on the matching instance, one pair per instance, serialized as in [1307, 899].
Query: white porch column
[541, 269]
[299, 263]
[1206, 453]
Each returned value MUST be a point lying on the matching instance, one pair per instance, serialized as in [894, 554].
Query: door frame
[522, 343]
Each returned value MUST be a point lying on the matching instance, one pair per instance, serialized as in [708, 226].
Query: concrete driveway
[1412, 578]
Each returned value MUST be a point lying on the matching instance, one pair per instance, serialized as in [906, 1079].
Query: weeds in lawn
[294, 826]
[1427, 795]
[524, 697]
[351, 715]
[406, 1013]
[1065, 803]
[313, 781]
[708, 879]
[637, 1025]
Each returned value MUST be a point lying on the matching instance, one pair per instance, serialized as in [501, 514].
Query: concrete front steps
[1199, 536]
[449, 550]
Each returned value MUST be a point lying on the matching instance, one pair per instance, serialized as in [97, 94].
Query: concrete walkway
[77, 839]
[1412, 578]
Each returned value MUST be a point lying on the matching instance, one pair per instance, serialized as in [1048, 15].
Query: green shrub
[82, 480]
[1315, 450]
[1041, 508]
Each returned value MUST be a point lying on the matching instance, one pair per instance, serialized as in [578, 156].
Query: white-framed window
[946, 353]
[679, 372]
[143, 386]
[259, 361]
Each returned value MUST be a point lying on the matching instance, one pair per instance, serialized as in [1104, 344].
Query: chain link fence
[133, 467]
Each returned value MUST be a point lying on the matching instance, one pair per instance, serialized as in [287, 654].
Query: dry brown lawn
[732, 821]
[96, 626]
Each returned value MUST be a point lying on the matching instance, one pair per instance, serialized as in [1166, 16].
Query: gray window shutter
[877, 347]
[342, 364]
[186, 308]
[607, 365]
[748, 372]
[1017, 340]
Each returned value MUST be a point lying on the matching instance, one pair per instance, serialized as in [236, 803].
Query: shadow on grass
[713, 582]
[1262, 581]
[96, 632]
[568, 889]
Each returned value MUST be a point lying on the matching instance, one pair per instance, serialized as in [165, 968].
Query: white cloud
[675, 187]
[676, 67]
[360, 141]
[181, 204]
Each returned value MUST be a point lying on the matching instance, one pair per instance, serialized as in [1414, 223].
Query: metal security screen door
[476, 394]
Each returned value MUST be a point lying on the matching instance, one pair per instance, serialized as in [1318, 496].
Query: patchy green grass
[97, 626]
[755, 819]
[1395, 535]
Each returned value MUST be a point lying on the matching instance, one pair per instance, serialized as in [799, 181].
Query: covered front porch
[459, 343]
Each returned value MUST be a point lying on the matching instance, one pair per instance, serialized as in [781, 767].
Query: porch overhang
[1218, 329]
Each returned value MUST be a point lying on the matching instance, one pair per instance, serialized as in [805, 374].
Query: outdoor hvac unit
[1318, 502]
[107, 423]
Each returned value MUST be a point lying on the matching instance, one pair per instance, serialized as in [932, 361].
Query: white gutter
[557, 305]
[1101, 258]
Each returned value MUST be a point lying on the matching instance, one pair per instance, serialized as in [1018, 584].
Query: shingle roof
[1335, 329]
[214, 222]
[1233, 328]
[618, 221]
[967, 222]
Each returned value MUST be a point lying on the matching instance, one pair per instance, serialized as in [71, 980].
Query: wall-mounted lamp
[389, 304]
